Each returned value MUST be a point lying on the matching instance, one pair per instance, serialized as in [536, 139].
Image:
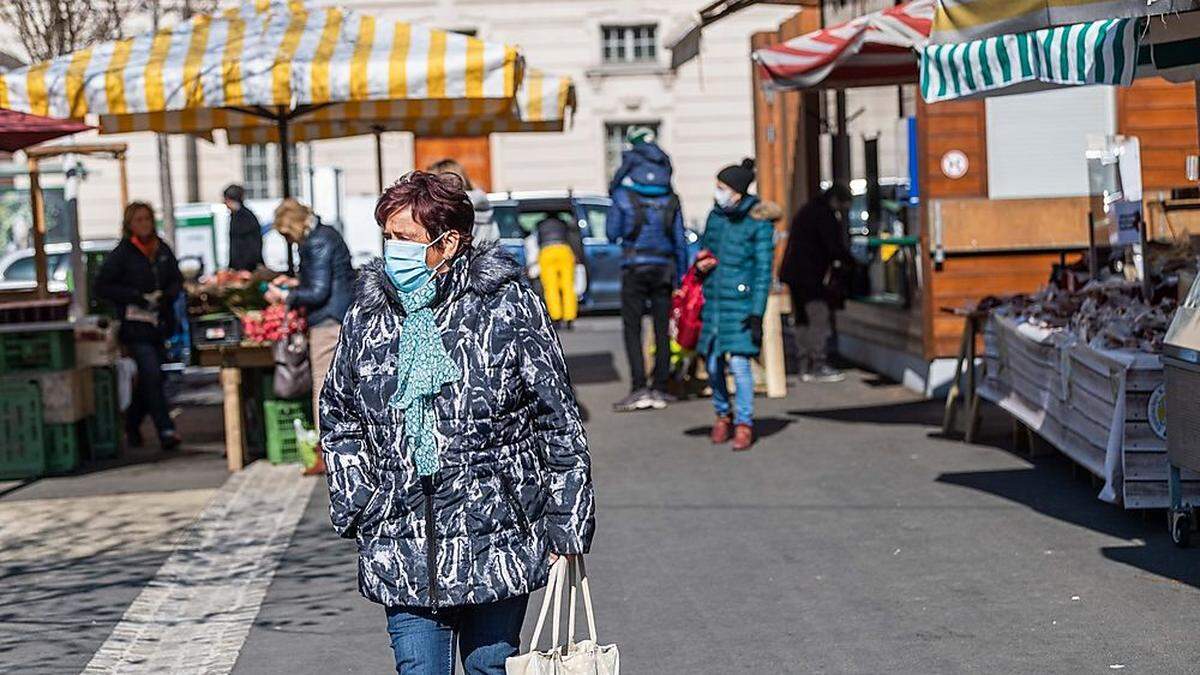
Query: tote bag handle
[565, 572]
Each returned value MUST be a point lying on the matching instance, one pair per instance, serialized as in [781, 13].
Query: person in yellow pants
[557, 258]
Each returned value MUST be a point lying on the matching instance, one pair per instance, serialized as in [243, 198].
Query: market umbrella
[251, 68]
[1112, 52]
[20, 130]
[966, 20]
[873, 49]
[544, 102]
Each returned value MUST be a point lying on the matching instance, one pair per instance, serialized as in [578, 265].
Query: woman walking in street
[736, 255]
[324, 289]
[141, 279]
[453, 441]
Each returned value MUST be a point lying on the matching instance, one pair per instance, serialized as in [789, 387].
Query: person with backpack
[646, 219]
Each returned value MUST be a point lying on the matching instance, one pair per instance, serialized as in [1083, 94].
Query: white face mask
[724, 197]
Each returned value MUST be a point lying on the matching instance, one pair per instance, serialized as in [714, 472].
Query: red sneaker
[722, 430]
[743, 437]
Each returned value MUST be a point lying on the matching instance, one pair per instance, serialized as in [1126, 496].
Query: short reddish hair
[439, 203]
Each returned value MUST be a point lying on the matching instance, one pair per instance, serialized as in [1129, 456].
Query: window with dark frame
[260, 171]
[629, 44]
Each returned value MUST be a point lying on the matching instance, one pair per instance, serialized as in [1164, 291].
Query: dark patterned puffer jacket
[515, 477]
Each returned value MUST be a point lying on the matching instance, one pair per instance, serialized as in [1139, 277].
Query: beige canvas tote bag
[587, 657]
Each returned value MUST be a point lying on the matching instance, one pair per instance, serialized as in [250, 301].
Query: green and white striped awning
[1097, 52]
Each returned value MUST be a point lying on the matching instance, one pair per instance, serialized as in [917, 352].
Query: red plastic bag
[685, 310]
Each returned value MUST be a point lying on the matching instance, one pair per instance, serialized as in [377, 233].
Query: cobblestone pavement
[853, 538]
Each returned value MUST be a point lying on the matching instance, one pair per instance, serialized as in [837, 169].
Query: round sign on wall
[955, 164]
[1156, 411]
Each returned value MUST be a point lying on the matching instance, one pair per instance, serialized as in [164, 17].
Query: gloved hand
[753, 323]
[152, 298]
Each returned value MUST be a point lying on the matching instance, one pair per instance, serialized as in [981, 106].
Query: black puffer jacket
[326, 277]
[127, 275]
[515, 478]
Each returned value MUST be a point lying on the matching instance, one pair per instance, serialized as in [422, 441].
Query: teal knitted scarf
[422, 367]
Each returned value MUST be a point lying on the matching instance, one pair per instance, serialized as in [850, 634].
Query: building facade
[614, 49]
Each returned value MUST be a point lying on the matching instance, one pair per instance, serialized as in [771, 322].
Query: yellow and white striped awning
[967, 20]
[236, 69]
[544, 103]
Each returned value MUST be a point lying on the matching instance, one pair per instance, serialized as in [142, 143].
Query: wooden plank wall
[1163, 116]
[954, 125]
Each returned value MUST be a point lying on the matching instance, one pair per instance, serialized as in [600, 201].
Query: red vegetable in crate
[272, 324]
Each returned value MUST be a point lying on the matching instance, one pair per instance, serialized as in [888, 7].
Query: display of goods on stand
[272, 324]
[1083, 370]
[226, 291]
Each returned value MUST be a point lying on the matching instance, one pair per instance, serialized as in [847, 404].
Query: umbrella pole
[285, 182]
[378, 159]
[38, 206]
[79, 285]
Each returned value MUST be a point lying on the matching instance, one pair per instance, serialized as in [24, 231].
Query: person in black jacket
[245, 233]
[325, 287]
[141, 279]
[816, 248]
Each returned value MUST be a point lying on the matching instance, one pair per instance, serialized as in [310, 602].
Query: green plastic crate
[37, 351]
[104, 428]
[62, 447]
[22, 454]
[281, 433]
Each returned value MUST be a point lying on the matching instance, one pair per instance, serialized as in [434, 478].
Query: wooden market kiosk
[969, 245]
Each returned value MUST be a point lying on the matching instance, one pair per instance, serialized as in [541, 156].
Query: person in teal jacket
[736, 255]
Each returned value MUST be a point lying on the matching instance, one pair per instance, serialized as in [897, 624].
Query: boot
[318, 468]
[743, 437]
[722, 430]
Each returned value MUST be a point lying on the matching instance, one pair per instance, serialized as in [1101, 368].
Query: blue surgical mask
[405, 264]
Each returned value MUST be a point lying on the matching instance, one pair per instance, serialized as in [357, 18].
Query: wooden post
[124, 180]
[772, 347]
[38, 206]
[231, 384]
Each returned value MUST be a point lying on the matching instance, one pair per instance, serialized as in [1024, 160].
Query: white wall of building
[705, 110]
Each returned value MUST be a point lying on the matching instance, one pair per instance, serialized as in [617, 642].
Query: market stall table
[232, 360]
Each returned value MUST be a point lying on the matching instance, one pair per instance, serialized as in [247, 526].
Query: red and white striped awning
[874, 49]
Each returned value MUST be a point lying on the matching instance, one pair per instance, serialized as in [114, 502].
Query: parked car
[18, 269]
[517, 213]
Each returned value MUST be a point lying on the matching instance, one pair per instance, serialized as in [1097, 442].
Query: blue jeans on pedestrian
[743, 380]
[149, 398]
[423, 639]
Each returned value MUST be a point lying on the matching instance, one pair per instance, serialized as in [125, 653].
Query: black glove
[753, 323]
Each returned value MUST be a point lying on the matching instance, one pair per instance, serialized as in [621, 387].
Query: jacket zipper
[430, 540]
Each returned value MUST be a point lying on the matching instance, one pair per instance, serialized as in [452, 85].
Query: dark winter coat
[661, 240]
[644, 163]
[326, 278]
[743, 240]
[817, 239]
[245, 240]
[127, 275]
[515, 478]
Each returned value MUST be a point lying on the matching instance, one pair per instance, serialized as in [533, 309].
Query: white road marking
[194, 616]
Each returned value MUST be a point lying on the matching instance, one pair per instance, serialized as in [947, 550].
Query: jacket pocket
[514, 504]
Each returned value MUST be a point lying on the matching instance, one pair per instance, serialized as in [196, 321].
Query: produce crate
[63, 443]
[104, 428]
[67, 395]
[22, 454]
[216, 329]
[37, 350]
[282, 447]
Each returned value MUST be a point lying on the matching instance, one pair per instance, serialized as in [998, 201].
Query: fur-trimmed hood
[484, 270]
[765, 210]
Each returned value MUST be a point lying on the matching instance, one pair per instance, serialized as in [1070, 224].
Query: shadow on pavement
[920, 413]
[764, 427]
[1159, 557]
[592, 368]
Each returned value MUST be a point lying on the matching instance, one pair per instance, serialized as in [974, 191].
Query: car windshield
[517, 223]
[597, 218]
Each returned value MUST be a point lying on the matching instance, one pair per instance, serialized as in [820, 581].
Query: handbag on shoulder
[293, 373]
[587, 657]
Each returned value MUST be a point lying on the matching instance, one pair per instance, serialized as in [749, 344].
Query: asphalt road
[852, 539]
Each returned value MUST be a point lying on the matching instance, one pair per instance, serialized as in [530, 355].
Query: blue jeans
[743, 380]
[423, 639]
